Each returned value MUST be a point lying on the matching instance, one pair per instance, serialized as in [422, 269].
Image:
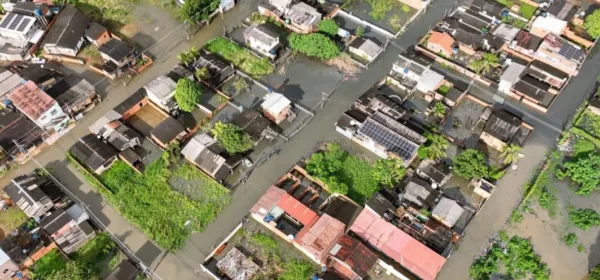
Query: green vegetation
[594, 273]
[517, 261]
[516, 216]
[471, 164]
[232, 138]
[583, 146]
[146, 200]
[329, 27]
[548, 201]
[48, 264]
[406, 8]
[527, 11]
[518, 23]
[74, 271]
[267, 243]
[484, 64]
[570, 239]
[202, 74]
[297, 269]
[592, 24]
[342, 171]
[443, 89]
[584, 171]
[439, 110]
[590, 122]
[187, 57]
[360, 31]
[112, 14]
[584, 218]
[315, 45]
[436, 147]
[510, 153]
[580, 248]
[240, 57]
[187, 95]
[11, 218]
[503, 236]
[194, 11]
[91, 53]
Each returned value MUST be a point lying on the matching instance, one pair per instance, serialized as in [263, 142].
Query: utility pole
[324, 98]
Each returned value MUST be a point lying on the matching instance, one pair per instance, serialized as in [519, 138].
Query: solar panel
[7, 20]
[13, 25]
[390, 140]
[23, 24]
[569, 51]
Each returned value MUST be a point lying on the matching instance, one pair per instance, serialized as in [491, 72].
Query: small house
[253, 123]
[321, 238]
[263, 40]
[276, 107]
[526, 43]
[93, 153]
[560, 53]
[69, 228]
[117, 52]
[510, 76]
[74, 95]
[167, 131]
[500, 129]
[447, 212]
[218, 68]
[39, 106]
[97, 34]
[303, 17]
[420, 193]
[441, 43]
[19, 34]
[544, 25]
[236, 265]
[204, 152]
[26, 193]
[534, 92]
[67, 35]
[364, 49]
[374, 101]
[119, 135]
[8, 267]
[161, 91]
[8, 82]
[548, 74]
[17, 129]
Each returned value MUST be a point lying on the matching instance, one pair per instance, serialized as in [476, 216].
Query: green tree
[584, 170]
[334, 186]
[570, 239]
[360, 31]
[594, 273]
[328, 162]
[510, 153]
[389, 171]
[185, 58]
[329, 27]
[439, 110]
[485, 63]
[187, 94]
[483, 267]
[297, 269]
[315, 44]
[232, 138]
[592, 24]
[583, 146]
[584, 218]
[48, 264]
[471, 164]
[194, 11]
[203, 74]
[74, 271]
[437, 147]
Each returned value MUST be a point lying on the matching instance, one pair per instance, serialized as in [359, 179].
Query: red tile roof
[443, 40]
[395, 243]
[322, 236]
[297, 210]
[31, 100]
[268, 201]
[355, 255]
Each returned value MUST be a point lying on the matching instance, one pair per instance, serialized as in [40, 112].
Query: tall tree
[592, 24]
[187, 94]
[510, 153]
[485, 63]
[437, 147]
[329, 27]
[315, 44]
[471, 164]
[194, 11]
[389, 171]
[232, 138]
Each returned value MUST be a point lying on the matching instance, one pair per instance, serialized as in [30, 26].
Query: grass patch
[91, 53]
[11, 218]
[584, 218]
[590, 122]
[515, 22]
[48, 264]
[527, 10]
[240, 57]
[112, 14]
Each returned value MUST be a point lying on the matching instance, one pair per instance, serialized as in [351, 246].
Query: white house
[510, 77]
[161, 91]
[67, 34]
[365, 49]
[39, 106]
[263, 40]
[18, 33]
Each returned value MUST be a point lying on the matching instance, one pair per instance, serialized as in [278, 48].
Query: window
[54, 112]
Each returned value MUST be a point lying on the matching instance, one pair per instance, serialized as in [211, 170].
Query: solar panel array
[16, 22]
[7, 20]
[393, 142]
[571, 52]
[23, 24]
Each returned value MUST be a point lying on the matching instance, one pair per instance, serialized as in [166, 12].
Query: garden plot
[590, 122]
[463, 125]
[390, 15]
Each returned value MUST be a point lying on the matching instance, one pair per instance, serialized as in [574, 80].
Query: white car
[38, 60]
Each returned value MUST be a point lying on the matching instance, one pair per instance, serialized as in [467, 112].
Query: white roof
[506, 32]
[448, 211]
[76, 213]
[161, 87]
[550, 24]
[513, 73]
[104, 120]
[3, 257]
[196, 150]
[370, 48]
[275, 103]
[429, 80]
[16, 23]
[9, 82]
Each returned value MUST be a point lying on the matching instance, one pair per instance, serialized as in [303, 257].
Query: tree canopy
[315, 44]
[584, 170]
[329, 26]
[584, 218]
[471, 164]
[74, 271]
[592, 24]
[437, 147]
[187, 94]
[485, 63]
[232, 138]
[389, 171]
[194, 11]
[510, 153]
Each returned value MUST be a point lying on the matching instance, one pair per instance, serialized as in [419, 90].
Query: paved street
[184, 264]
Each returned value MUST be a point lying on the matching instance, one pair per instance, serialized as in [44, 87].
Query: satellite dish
[434, 186]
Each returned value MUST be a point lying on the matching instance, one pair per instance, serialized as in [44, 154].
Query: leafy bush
[592, 24]
[422, 152]
[194, 11]
[296, 270]
[548, 202]
[584, 170]
[48, 264]
[471, 164]
[95, 250]
[595, 273]
[187, 94]
[240, 57]
[503, 236]
[388, 172]
[486, 265]
[315, 44]
[584, 218]
[443, 89]
[360, 31]
[516, 216]
[583, 146]
[74, 271]
[329, 27]
[570, 239]
[232, 138]
[521, 260]
[580, 248]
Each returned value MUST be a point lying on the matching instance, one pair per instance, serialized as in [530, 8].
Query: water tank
[37, 12]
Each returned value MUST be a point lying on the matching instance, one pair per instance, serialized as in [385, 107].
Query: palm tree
[194, 52]
[437, 148]
[485, 63]
[439, 110]
[185, 58]
[202, 74]
[510, 153]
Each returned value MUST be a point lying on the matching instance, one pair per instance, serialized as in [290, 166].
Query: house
[38, 106]
[385, 142]
[131, 105]
[490, 10]
[98, 127]
[506, 32]
[321, 237]
[204, 152]
[548, 74]
[436, 172]
[447, 212]
[161, 91]
[365, 49]
[25, 246]
[167, 131]
[28, 8]
[510, 76]
[482, 187]
[42, 74]
[19, 34]
[420, 192]
[411, 254]
[380, 204]
[117, 52]
[93, 153]
[26, 193]
[179, 72]
[69, 228]
[8, 82]
[500, 129]
[119, 135]
[534, 92]
[544, 25]
[126, 270]
[276, 107]
[409, 67]
[17, 129]
[374, 101]
[526, 43]
[235, 265]
[560, 53]
[253, 123]
[429, 81]
[304, 17]
[8, 267]
[218, 68]
[74, 95]
[441, 43]
[263, 40]
[563, 9]
[97, 34]
[67, 34]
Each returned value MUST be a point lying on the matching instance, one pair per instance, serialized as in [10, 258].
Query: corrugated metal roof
[297, 210]
[321, 237]
[268, 200]
[398, 245]
[31, 100]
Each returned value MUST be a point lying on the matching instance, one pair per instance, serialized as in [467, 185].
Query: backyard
[463, 124]
[10, 219]
[390, 15]
[240, 57]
